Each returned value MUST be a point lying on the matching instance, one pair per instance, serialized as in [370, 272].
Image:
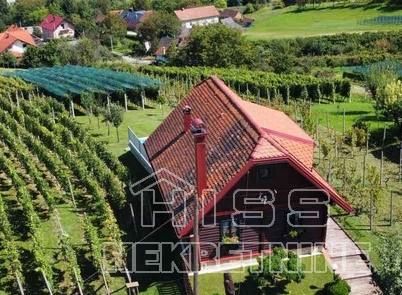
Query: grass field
[359, 108]
[142, 122]
[318, 273]
[325, 19]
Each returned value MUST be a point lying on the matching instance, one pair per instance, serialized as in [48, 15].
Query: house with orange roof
[248, 171]
[197, 16]
[15, 40]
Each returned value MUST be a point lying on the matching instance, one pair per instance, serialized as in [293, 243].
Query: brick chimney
[186, 118]
[199, 132]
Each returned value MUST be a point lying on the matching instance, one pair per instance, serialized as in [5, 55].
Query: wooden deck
[348, 261]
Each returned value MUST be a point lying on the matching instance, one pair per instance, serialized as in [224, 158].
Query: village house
[252, 167]
[15, 40]
[55, 27]
[197, 16]
[134, 18]
[232, 13]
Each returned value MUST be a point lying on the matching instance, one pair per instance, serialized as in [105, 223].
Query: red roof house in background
[251, 152]
[15, 40]
[54, 27]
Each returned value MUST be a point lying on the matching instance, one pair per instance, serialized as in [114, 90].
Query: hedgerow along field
[323, 19]
[258, 83]
[62, 186]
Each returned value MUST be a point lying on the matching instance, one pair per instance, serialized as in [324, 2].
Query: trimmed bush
[337, 287]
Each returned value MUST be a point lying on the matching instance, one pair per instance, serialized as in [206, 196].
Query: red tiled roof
[51, 22]
[11, 35]
[240, 134]
[187, 14]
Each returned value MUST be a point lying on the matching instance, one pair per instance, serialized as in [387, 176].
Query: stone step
[362, 286]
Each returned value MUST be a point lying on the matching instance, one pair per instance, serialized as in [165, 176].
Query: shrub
[277, 4]
[337, 287]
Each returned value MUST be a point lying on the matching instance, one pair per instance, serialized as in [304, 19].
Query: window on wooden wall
[230, 233]
[264, 172]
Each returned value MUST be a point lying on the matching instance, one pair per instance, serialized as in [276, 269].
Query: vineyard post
[108, 102]
[78, 282]
[46, 282]
[371, 212]
[344, 123]
[365, 159]
[72, 108]
[53, 116]
[382, 157]
[400, 161]
[344, 176]
[56, 214]
[133, 218]
[11, 102]
[329, 171]
[104, 279]
[20, 287]
[125, 102]
[17, 98]
[72, 193]
[391, 208]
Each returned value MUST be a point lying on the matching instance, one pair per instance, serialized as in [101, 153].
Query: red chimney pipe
[186, 118]
[199, 132]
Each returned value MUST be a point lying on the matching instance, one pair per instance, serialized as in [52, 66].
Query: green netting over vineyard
[70, 80]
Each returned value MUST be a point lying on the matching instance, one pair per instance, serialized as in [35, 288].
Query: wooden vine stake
[382, 157]
[365, 159]
[20, 287]
[53, 116]
[108, 102]
[344, 123]
[78, 282]
[72, 108]
[72, 193]
[125, 102]
[391, 209]
[400, 161]
[17, 98]
[104, 279]
[46, 282]
[11, 101]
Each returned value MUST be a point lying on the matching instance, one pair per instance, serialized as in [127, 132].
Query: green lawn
[142, 122]
[321, 20]
[359, 108]
[318, 273]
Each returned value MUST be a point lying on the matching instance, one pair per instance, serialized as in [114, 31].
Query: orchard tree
[158, 25]
[216, 46]
[88, 102]
[116, 117]
[113, 28]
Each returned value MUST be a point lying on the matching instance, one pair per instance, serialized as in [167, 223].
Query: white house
[55, 27]
[15, 40]
[197, 16]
